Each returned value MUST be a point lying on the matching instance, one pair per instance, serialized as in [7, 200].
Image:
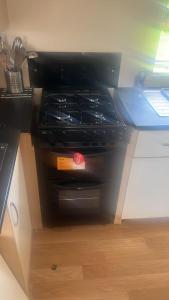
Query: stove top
[79, 119]
[77, 108]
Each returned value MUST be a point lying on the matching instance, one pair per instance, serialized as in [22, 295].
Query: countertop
[138, 112]
[15, 118]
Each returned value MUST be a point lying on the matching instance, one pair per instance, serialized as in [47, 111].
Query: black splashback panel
[51, 70]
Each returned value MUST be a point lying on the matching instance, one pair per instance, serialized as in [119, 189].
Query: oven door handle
[85, 154]
[78, 186]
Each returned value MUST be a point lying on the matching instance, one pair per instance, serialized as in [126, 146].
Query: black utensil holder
[14, 81]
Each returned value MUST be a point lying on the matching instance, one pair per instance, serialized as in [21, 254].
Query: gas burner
[53, 116]
[100, 118]
[61, 100]
[56, 99]
[89, 99]
[93, 99]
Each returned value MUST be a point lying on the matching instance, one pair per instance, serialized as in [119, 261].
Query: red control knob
[78, 158]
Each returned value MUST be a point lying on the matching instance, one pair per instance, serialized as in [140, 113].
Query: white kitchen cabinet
[152, 144]
[9, 251]
[9, 287]
[30, 172]
[147, 194]
[20, 217]
[15, 238]
[147, 189]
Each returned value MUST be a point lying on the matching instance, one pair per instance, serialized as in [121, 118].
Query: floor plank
[150, 294]
[117, 262]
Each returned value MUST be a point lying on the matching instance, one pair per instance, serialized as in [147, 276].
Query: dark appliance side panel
[53, 70]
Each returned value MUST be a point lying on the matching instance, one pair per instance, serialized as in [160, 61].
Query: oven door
[78, 181]
[98, 164]
[77, 197]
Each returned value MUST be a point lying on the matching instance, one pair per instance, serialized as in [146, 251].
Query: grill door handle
[78, 186]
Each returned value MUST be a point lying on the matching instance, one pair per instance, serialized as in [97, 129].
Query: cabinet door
[29, 166]
[147, 193]
[9, 250]
[9, 287]
[20, 217]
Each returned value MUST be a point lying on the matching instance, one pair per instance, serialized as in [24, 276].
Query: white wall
[83, 25]
[3, 16]
[4, 24]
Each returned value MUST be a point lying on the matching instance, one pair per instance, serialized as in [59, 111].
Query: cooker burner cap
[61, 100]
[93, 99]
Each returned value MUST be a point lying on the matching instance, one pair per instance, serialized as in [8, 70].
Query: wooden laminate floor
[104, 262]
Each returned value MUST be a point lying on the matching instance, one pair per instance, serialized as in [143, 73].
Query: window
[162, 55]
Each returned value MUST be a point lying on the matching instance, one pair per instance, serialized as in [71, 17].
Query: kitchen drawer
[152, 144]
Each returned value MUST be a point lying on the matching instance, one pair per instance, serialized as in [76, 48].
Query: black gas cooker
[79, 117]
[81, 139]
